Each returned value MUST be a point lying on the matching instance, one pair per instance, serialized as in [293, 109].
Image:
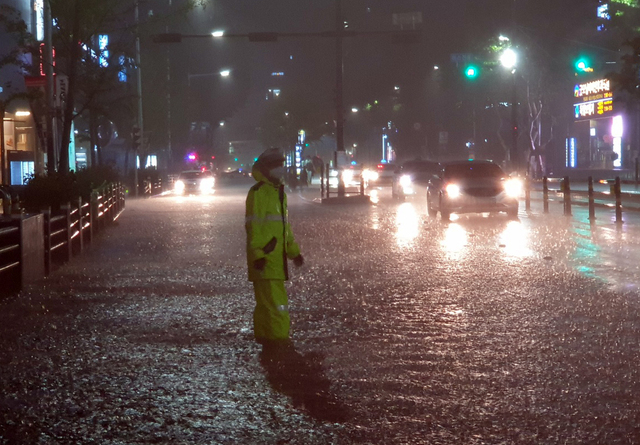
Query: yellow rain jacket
[269, 235]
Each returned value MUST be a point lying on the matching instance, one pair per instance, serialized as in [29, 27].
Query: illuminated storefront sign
[596, 100]
[617, 131]
[103, 44]
[571, 154]
[38, 7]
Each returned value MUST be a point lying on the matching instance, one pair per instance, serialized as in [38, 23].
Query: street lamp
[509, 60]
[225, 73]
[217, 33]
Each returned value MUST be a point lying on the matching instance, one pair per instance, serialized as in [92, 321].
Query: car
[412, 178]
[194, 182]
[382, 174]
[472, 187]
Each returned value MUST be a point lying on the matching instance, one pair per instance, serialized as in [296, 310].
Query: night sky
[373, 64]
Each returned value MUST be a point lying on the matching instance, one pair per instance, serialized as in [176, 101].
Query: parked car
[473, 187]
[194, 182]
[412, 178]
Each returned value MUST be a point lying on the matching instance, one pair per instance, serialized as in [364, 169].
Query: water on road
[407, 329]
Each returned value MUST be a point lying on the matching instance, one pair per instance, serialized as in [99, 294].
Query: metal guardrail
[66, 232]
[613, 199]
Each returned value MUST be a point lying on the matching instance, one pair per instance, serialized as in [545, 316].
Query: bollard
[362, 184]
[322, 181]
[618, 193]
[592, 207]
[327, 177]
[566, 191]
[545, 194]
[527, 193]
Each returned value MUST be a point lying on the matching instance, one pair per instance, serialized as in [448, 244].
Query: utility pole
[339, 95]
[140, 120]
[47, 64]
[169, 154]
[515, 159]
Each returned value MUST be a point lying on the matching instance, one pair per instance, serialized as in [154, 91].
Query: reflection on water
[515, 239]
[374, 196]
[204, 199]
[454, 242]
[408, 224]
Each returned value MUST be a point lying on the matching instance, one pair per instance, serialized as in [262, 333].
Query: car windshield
[194, 175]
[421, 169]
[472, 171]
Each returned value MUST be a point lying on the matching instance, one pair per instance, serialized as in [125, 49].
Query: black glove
[260, 264]
[298, 261]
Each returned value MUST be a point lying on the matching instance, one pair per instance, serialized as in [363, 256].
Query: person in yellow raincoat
[270, 243]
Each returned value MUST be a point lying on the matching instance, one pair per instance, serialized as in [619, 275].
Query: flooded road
[408, 330]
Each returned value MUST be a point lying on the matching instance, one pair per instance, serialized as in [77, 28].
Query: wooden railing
[65, 233]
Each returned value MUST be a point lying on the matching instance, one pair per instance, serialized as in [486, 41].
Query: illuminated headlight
[370, 175]
[179, 186]
[206, 184]
[453, 190]
[405, 181]
[347, 176]
[513, 188]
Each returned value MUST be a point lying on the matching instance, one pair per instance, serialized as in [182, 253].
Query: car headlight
[453, 190]
[513, 188]
[347, 176]
[206, 184]
[405, 181]
[179, 186]
[370, 175]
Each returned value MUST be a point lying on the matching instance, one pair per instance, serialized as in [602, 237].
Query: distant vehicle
[412, 178]
[382, 174]
[473, 187]
[194, 182]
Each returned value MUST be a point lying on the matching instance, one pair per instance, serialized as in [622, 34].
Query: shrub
[42, 191]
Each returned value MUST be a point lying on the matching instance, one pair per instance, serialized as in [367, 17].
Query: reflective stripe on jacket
[269, 235]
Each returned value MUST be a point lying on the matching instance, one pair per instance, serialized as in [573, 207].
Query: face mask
[277, 173]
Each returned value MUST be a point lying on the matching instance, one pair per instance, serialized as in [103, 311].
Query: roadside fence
[31, 245]
[564, 194]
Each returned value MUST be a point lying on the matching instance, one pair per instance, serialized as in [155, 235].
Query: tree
[91, 71]
[14, 29]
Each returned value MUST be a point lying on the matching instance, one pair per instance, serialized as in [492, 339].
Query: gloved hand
[298, 261]
[260, 264]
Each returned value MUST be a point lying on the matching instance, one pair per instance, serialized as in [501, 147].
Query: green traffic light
[583, 65]
[471, 71]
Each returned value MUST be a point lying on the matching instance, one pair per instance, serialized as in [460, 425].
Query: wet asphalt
[406, 330]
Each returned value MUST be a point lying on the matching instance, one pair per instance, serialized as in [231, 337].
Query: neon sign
[597, 99]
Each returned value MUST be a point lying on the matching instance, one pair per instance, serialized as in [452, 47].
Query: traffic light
[583, 65]
[135, 137]
[471, 71]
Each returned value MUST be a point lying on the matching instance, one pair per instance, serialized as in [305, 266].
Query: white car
[473, 187]
[194, 182]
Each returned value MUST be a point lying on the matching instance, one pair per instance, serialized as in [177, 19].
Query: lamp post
[509, 60]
